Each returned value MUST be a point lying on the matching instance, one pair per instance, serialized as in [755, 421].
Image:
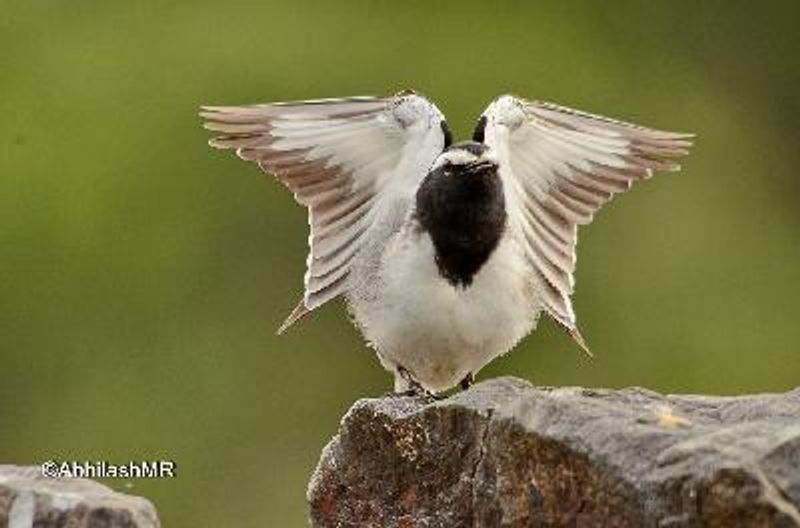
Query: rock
[506, 453]
[28, 500]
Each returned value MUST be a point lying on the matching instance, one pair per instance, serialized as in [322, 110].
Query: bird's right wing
[342, 158]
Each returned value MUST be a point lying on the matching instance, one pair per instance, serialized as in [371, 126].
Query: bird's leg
[411, 383]
[467, 382]
[414, 388]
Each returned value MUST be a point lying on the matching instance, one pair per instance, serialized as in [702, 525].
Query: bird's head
[466, 157]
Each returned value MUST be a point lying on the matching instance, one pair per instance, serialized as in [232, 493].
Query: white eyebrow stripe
[456, 157]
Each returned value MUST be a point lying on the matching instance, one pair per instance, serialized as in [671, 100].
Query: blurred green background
[143, 275]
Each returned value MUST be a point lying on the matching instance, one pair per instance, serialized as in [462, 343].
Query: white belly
[441, 333]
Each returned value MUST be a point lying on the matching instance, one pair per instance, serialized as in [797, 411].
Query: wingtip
[208, 112]
[677, 136]
[298, 313]
[578, 338]
[213, 108]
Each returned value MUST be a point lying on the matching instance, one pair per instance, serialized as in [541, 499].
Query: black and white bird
[447, 253]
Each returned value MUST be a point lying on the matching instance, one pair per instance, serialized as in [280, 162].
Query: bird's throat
[464, 214]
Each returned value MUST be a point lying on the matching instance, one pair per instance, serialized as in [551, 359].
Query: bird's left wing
[342, 158]
[558, 167]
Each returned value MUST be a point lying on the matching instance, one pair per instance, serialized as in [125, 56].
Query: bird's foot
[414, 393]
[467, 382]
[413, 387]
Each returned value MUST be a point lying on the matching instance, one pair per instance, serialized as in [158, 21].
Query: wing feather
[341, 158]
[559, 167]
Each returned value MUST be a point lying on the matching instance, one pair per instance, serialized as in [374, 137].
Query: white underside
[438, 332]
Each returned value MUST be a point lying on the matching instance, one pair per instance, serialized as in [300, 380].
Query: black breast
[463, 211]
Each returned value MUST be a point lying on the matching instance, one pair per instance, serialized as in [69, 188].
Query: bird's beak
[480, 165]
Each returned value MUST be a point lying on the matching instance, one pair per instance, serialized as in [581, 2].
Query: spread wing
[559, 166]
[341, 158]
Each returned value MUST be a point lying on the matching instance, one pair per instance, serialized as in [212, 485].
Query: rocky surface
[506, 453]
[29, 500]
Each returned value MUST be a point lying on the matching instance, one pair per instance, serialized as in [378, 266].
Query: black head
[466, 157]
[479, 133]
